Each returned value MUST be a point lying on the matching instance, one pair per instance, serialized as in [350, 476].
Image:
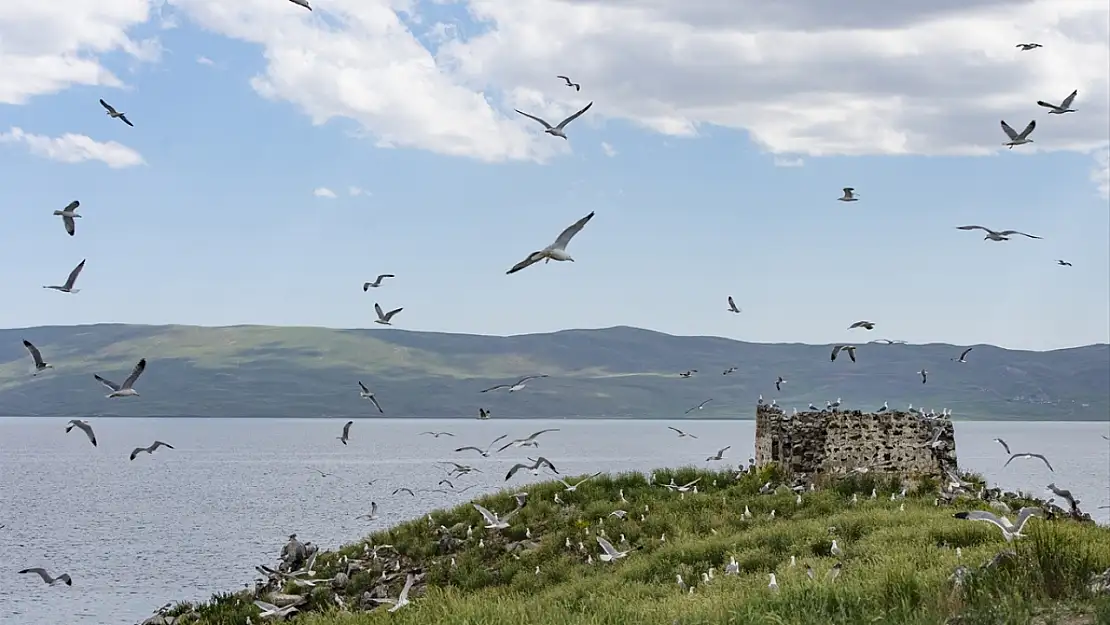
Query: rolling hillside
[612, 372]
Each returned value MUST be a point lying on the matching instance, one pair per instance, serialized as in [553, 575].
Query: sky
[281, 157]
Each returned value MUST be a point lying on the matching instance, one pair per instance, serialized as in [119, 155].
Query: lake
[184, 523]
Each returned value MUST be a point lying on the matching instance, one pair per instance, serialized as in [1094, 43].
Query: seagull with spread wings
[529, 441]
[851, 349]
[366, 394]
[515, 386]
[50, 581]
[1015, 137]
[866, 325]
[150, 450]
[68, 214]
[849, 195]
[681, 434]
[557, 250]
[996, 236]
[113, 113]
[124, 390]
[70, 281]
[720, 454]
[963, 356]
[699, 406]
[40, 364]
[84, 427]
[1029, 455]
[577, 87]
[1063, 107]
[366, 286]
[534, 467]
[482, 452]
[556, 131]
[384, 317]
[570, 488]
[1010, 531]
[732, 306]
[1028, 46]
[346, 432]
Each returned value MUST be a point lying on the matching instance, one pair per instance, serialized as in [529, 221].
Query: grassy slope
[269, 371]
[896, 566]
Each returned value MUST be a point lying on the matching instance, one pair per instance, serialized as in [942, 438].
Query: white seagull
[40, 364]
[68, 286]
[849, 195]
[124, 390]
[84, 427]
[64, 577]
[570, 488]
[1063, 263]
[68, 214]
[366, 394]
[610, 553]
[303, 3]
[1010, 531]
[383, 318]
[150, 450]
[1028, 46]
[483, 452]
[963, 356]
[515, 386]
[1018, 139]
[1003, 443]
[732, 305]
[720, 454]
[851, 349]
[115, 114]
[699, 406]
[577, 87]
[681, 434]
[534, 467]
[346, 432]
[996, 236]
[366, 286]
[529, 441]
[924, 375]
[779, 382]
[494, 522]
[556, 130]
[557, 250]
[1028, 455]
[403, 598]
[1064, 107]
[866, 325]
[269, 609]
[373, 516]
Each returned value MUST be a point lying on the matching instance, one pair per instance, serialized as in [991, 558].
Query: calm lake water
[187, 522]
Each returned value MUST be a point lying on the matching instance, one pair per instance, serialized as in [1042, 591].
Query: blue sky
[219, 224]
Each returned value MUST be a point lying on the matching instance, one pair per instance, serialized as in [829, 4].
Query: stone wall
[841, 441]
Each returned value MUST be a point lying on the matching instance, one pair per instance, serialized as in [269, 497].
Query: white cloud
[357, 191]
[324, 192]
[1100, 174]
[203, 60]
[72, 148]
[785, 161]
[609, 150]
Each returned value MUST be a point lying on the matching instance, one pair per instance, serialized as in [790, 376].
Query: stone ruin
[838, 442]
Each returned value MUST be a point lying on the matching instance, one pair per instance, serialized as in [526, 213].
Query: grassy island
[898, 563]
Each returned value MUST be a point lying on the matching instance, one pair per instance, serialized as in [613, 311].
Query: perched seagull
[64, 577]
[732, 305]
[610, 553]
[556, 131]
[924, 375]
[534, 467]
[851, 349]
[373, 516]
[577, 87]
[366, 286]
[1003, 443]
[1063, 263]
[1010, 531]
[383, 318]
[1064, 107]
[483, 452]
[1028, 46]
[437, 434]
[68, 286]
[849, 195]
[778, 383]
[866, 325]
[40, 364]
[529, 441]
[1018, 139]
[557, 250]
[773, 585]
[269, 609]
[515, 386]
[124, 390]
[115, 114]
[681, 434]
[884, 408]
[698, 407]
[84, 427]
[996, 236]
[1028, 455]
[494, 522]
[570, 488]
[963, 355]
[346, 432]
[835, 549]
[366, 394]
[720, 454]
[68, 214]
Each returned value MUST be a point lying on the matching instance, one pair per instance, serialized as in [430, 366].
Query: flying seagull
[115, 114]
[1028, 455]
[366, 394]
[888, 342]
[346, 432]
[699, 406]
[1063, 263]
[557, 130]
[68, 214]
[64, 577]
[404, 490]
[996, 236]
[924, 375]
[366, 286]
[1003, 443]
[534, 467]
[732, 305]
[866, 325]
[1065, 494]
[681, 434]
[963, 356]
[150, 450]
[1028, 46]
[529, 441]
[570, 488]
[849, 195]
[778, 383]
[851, 349]
[124, 390]
[68, 286]
[268, 609]
[403, 598]
[494, 522]
[1010, 531]
[437, 434]
[1018, 139]
[84, 427]
[577, 87]
[373, 516]
[303, 3]
[383, 318]
[1064, 107]
[483, 452]
[720, 454]
[610, 553]
[557, 250]
[515, 386]
[40, 364]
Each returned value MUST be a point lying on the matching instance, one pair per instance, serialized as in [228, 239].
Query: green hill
[611, 372]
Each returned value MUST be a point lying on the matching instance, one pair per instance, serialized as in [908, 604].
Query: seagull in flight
[366, 286]
[68, 214]
[1003, 443]
[40, 364]
[577, 87]
[68, 286]
[866, 325]
[888, 342]
[115, 114]
[366, 394]
[269, 609]
[303, 3]
[1028, 46]
[494, 522]
[150, 450]
[732, 306]
[924, 375]
[404, 490]
[720, 454]
[437, 434]
[373, 516]
[610, 553]
[534, 467]
[483, 452]
[1018, 139]
[50, 581]
[1028, 455]
[1063, 263]
[698, 407]
[383, 317]
[1065, 494]
[124, 390]
[515, 386]
[963, 356]
[557, 250]
[529, 441]
[403, 598]
[1063, 107]
[1010, 531]
[851, 349]
[681, 434]
[84, 427]
[849, 195]
[570, 488]
[996, 236]
[346, 432]
[556, 131]
[778, 383]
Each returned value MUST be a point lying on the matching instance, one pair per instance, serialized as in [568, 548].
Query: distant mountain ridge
[611, 372]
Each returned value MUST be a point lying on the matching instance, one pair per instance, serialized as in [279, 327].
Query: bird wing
[135, 452]
[404, 596]
[545, 124]
[489, 516]
[108, 106]
[535, 434]
[516, 467]
[1004, 445]
[135, 373]
[963, 355]
[1028, 129]
[110, 384]
[373, 508]
[1025, 514]
[87, 429]
[266, 607]
[73, 274]
[72, 206]
[40, 572]
[379, 279]
[1010, 232]
[374, 400]
[126, 121]
[851, 352]
[494, 388]
[983, 515]
[469, 447]
[1043, 459]
[71, 227]
[566, 235]
[533, 258]
[675, 429]
[1068, 100]
[363, 387]
[544, 461]
[568, 120]
[731, 304]
[607, 547]
[722, 451]
[510, 445]
[974, 228]
[158, 444]
[35, 354]
[347, 428]
[378, 309]
[835, 351]
[565, 78]
[531, 377]
[1048, 105]
[1010, 132]
[389, 315]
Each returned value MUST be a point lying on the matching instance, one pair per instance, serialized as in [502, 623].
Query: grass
[897, 563]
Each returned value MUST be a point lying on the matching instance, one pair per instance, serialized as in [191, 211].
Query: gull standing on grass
[529, 441]
[68, 286]
[366, 394]
[1018, 139]
[68, 214]
[150, 450]
[366, 286]
[115, 114]
[534, 467]
[681, 434]
[50, 581]
[732, 306]
[1010, 531]
[515, 386]
[124, 390]
[40, 364]
[996, 236]
[720, 454]
[1028, 455]
[483, 452]
[557, 250]
[556, 131]
[346, 432]
[849, 195]
[699, 406]
[383, 317]
[84, 427]
[1063, 107]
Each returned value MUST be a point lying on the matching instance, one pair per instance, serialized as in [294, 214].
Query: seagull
[851, 349]
[884, 408]
[834, 572]
[1018, 139]
[40, 364]
[383, 318]
[366, 394]
[366, 286]
[403, 598]
[68, 214]
[483, 452]
[1064, 107]
[124, 390]
[484, 414]
[773, 585]
[681, 434]
[866, 325]
[577, 87]
[732, 305]
[570, 488]
[529, 441]
[1063, 263]
[996, 236]
[963, 356]
[1028, 46]
[557, 250]
[924, 375]
[720, 454]
[1003, 443]
[888, 342]
[687, 374]
[729, 370]
[494, 522]
[835, 549]
[933, 443]
[437, 434]
[303, 3]
[849, 195]
[373, 516]
[346, 432]
[699, 406]
[1027, 455]
[269, 609]
[515, 386]
[610, 553]
[1065, 494]
[84, 427]
[778, 383]
[534, 467]
[556, 131]
[113, 113]
[1010, 531]
[150, 450]
[68, 286]
[404, 489]
[64, 577]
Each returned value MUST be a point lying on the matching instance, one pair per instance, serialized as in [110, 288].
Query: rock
[340, 581]
[447, 544]
[157, 619]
